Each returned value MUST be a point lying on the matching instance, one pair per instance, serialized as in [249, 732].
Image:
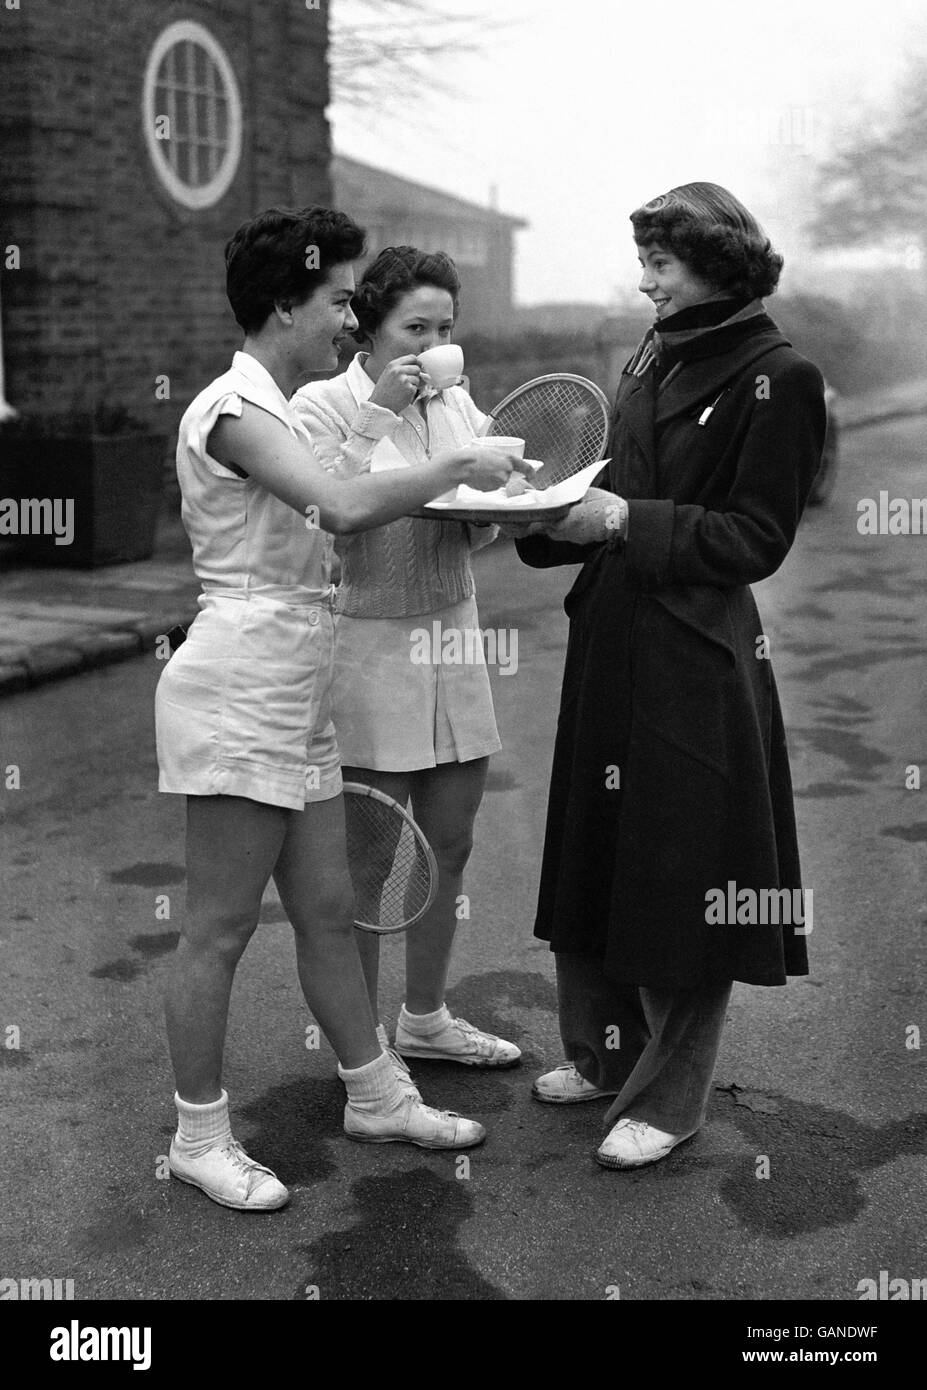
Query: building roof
[377, 190]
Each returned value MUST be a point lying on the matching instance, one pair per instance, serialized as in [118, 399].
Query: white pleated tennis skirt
[243, 707]
[410, 693]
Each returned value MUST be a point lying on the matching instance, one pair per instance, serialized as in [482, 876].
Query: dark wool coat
[663, 680]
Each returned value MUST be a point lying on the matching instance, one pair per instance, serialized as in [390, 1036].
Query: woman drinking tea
[415, 730]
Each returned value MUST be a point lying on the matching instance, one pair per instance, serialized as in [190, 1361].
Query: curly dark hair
[266, 259]
[394, 272]
[714, 235]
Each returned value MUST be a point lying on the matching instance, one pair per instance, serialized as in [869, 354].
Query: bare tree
[874, 186]
[388, 51]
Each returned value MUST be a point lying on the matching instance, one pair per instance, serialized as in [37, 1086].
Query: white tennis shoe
[402, 1073]
[413, 1122]
[227, 1175]
[565, 1086]
[632, 1143]
[457, 1041]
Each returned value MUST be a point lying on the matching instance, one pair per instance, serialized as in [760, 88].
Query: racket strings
[389, 867]
[561, 422]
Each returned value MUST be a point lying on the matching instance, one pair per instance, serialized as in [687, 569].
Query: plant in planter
[101, 469]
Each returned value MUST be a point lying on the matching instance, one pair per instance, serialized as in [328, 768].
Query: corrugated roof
[364, 185]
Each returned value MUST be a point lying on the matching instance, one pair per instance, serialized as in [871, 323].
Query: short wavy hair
[266, 259]
[714, 235]
[396, 271]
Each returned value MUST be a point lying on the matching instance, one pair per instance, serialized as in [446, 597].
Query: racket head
[392, 866]
[563, 420]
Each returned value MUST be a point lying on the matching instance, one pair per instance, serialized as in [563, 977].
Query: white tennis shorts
[243, 706]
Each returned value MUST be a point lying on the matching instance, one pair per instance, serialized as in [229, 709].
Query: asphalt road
[823, 1077]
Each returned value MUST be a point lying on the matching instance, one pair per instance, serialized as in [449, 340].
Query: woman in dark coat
[670, 827]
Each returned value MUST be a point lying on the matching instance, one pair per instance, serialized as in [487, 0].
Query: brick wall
[120, 284]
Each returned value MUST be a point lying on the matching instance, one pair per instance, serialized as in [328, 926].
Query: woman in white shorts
[242, 711]
[403, 584]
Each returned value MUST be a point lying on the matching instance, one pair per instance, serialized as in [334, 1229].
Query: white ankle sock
[199, 1127]
[373, 1087]
[382, 1035]
[425, 1023]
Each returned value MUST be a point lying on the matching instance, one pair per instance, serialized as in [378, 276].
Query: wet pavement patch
[844, 704]
[843, 721]
[159, 944]
[800, 647]
[148, 875]
[14, 1057]
[823, 790]
[120, 970]
[810, 610]
[858, 758]
[478, 1092]
[149, 946]
[505, 989]
[816, 1158]
[855, 661]
[293, 1124]
[914, 834]
[117, 1234]
[403, 1246]
[878, 577]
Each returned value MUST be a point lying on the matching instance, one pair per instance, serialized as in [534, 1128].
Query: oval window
[192, 114]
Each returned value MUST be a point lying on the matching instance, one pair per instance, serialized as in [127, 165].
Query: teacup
[444, 364]
[509, 443]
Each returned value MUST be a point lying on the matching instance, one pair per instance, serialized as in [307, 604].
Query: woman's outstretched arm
[261, 446]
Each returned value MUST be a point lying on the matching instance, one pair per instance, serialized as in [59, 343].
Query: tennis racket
[392, 866]
[563, 420]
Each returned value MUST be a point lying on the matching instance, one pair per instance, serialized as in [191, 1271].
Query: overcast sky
[585, 108]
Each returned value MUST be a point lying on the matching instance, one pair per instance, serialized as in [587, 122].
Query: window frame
[204, 195]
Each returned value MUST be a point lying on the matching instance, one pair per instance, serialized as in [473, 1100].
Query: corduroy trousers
[656, 1048]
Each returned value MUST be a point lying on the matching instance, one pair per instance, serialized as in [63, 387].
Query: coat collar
[705, 377]
[690, 383]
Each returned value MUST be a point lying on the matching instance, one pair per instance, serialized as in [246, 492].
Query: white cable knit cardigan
[411, 565]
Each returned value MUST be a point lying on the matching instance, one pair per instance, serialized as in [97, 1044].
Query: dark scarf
[699, 331]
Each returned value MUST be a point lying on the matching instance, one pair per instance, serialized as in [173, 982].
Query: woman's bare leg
[398, 786]
[232, 845]
[312, 877]
[315, 888]
[445, 800]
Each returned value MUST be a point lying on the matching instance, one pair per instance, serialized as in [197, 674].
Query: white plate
[543, 501]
